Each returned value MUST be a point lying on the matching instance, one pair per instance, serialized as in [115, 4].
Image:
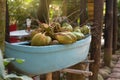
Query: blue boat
[45, 59]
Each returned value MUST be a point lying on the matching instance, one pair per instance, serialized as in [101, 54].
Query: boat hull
[45, 59]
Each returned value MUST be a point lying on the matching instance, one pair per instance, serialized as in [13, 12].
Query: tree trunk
[43, 11]
[2, 23]
[108, 33]
[115, 25]
[96, 31]
[83, 15]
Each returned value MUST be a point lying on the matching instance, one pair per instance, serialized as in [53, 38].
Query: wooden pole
[108, 33]
[115, 25]
[96, 31]
[49, 76]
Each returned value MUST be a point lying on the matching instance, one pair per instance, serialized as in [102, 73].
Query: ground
[113, 72]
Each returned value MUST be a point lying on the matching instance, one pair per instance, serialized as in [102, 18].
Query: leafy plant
[4, 75]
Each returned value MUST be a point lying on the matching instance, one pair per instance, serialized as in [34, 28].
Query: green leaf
[20, 61]
[6, 63]
[8, 60]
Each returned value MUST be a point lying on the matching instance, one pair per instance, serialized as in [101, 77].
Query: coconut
[77, 29]
[40, 40]
[64, 38]
[73, 36]
[79, 35]
[67, 27]
[85, 29]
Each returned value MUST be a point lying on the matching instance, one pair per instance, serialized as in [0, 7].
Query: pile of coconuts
[56, 33]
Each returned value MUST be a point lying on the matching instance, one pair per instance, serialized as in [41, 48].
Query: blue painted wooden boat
[44, 59]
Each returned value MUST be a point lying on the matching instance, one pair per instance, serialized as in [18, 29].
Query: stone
[115, 75]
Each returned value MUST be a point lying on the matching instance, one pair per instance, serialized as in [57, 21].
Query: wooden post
[49, 76]
[108, 33]
[96, 31]
[115, 25]
[2, 23]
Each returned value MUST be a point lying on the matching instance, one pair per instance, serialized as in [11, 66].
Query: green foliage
[119, 6]
[19, 10]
